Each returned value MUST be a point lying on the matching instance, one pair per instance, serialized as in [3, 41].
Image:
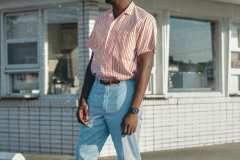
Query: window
[191, 55]
[63, 50]
[235, 60]
[21, 53]
[41, 37]
[22, 37]
[25, 83]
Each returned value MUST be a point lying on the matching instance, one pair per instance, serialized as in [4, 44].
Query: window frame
[212, 24]
[8, 69]
[42, 58]
[219, 49]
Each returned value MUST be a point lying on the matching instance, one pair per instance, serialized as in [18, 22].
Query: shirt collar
[130, 8]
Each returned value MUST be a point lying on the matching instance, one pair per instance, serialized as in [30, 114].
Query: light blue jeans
[108, 104]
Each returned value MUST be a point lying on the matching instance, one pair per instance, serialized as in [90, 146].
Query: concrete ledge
[11, 156]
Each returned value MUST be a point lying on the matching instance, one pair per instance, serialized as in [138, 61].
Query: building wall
[49, 126]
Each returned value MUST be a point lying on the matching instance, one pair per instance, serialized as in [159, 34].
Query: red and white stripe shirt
[116, 42]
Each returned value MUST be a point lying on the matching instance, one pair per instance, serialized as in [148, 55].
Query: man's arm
[88, 81]
[145, 63]
[82, 111]
[146, 46]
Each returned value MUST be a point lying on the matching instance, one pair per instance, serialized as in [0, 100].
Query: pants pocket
[120, 98]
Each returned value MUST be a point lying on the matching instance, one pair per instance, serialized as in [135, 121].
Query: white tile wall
[193, 123]
[44, 126]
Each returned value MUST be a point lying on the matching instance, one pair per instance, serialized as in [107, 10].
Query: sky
[190, 40]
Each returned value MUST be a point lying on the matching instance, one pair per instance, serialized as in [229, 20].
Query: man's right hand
[82, 112]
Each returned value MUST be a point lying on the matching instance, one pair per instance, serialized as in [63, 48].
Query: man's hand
[82, 112]
[129, 123]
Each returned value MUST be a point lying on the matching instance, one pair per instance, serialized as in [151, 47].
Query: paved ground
[217, 152]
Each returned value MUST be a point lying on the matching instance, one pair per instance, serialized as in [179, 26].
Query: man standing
[123, 42]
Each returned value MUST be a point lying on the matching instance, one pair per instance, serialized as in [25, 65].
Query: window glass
[25, 83]
[22, 35]
[24, 25]
[234, 84]
[22, 53]
[238, 37]
[235, 60]
[191, 55]
[63, 51]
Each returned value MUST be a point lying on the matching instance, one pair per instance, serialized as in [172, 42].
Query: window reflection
[63, 59]
[235, 60]
[25, 83]
[191, 55]
[238, 37]
[22, 53]
[22, 33]
[17, 24]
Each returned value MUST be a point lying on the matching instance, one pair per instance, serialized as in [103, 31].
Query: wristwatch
[133, 110]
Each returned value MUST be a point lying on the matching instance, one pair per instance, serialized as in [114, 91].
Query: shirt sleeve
[147, 39]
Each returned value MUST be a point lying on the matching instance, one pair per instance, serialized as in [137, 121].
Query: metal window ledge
[19, 97]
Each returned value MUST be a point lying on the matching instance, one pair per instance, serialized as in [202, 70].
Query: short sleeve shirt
[116, 42]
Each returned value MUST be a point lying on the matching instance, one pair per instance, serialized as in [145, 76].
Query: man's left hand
[129, 123]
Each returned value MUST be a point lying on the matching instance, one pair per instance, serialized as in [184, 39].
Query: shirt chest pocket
[124, 44]
[125, 40]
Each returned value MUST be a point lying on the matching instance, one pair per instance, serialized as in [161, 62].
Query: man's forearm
[88, 82]
[143, 77]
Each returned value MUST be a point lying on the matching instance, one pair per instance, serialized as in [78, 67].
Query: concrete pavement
[216, 152]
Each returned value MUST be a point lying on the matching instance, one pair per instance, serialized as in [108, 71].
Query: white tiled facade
[48, 125]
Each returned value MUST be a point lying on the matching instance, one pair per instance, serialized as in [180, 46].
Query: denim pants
[108, 104]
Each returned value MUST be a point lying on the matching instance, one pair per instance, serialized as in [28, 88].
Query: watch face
[135, 110]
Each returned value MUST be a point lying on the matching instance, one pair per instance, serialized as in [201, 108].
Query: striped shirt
[116, 42]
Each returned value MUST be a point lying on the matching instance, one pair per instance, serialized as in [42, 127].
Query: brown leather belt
[109, 82]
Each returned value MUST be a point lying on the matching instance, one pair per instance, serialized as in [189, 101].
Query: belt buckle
[108, 82]
[102, 81]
